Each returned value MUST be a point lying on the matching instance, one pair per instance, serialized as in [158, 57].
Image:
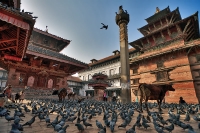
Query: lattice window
[198, 58]
[160, 64]
[162, 76]
[135, 81]
[135, 70]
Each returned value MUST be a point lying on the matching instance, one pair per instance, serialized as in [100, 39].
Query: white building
[110, 66]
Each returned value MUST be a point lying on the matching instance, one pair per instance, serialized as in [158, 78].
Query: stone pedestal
[99, 94]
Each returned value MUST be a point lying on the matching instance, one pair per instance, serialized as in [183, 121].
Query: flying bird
[104, 26]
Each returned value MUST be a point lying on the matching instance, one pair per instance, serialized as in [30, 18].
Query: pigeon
[169, 128]
[87, 124]
[47, 119]
[145, 125]
[30, 122]
[103, 130]
[124, 124]
[104, 26]
[187, 117]
[80, 127]
[63, 130]
[9, 118]
[131, 130]
[72, 118]
[14, 129]
[99, 125]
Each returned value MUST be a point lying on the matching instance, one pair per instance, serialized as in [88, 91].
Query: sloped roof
[158, 15]
[109, 58]
[54, 54]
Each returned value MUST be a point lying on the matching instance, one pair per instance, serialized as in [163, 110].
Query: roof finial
[157, 10]
[46, 29]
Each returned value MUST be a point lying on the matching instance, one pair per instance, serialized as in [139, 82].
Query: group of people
[8, 93]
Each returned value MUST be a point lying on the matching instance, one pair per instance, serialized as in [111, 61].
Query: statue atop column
[122, 15]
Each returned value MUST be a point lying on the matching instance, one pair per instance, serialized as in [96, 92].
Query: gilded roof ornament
[157, 10]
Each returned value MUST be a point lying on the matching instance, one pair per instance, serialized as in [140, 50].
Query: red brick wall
[181, 76]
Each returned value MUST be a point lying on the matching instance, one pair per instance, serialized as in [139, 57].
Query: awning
[14, 21]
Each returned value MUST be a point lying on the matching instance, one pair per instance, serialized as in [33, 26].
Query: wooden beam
[168, 31]
[8, 47]
[174, 19]
[66, 69]
[189, 28]
[188, 22]
[161, 22]
[8, 40]
[190, 35]
[17, 41]
[166, 20]
[171, 18]
[178, 28]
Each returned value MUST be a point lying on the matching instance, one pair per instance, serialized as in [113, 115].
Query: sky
[80, 21]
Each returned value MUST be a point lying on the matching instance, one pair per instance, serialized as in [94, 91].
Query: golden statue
[157, 10]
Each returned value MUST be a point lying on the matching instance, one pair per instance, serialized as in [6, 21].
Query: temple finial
[157, 10]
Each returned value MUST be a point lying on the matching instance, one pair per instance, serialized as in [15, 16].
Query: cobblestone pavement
[40, 126]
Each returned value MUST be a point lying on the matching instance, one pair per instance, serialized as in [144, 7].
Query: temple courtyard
[40, 126]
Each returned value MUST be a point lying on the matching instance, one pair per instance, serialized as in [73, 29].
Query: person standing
[114, 96]
[104, 96]
[21, 98]
[7, 92]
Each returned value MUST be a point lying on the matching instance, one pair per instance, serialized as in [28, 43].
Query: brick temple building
[31, 56]
[169, 53]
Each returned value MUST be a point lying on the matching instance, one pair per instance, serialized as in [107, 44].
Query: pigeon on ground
[14, 129]
[30, 122]
[8, 117]
[103, 130]
[87, 124]
[79, 127]
[99, 125]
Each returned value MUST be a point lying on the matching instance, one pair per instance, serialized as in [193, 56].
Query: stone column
[11, 78]
[122, 20]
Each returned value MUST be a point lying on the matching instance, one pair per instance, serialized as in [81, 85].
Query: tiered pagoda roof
[61, 42]
[53, 55]
[165, 27]
[99, 80]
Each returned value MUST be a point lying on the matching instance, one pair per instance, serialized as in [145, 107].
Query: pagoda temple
[30, 55]
[169, 53]
[99, 83]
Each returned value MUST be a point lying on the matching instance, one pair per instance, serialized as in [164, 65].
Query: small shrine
[99, 83]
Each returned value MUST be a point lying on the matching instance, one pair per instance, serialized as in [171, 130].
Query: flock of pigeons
[114, 116]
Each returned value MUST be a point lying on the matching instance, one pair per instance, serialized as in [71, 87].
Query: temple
[30, 55]
[169, 53]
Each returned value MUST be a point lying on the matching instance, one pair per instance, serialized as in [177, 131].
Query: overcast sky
[80, 21]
